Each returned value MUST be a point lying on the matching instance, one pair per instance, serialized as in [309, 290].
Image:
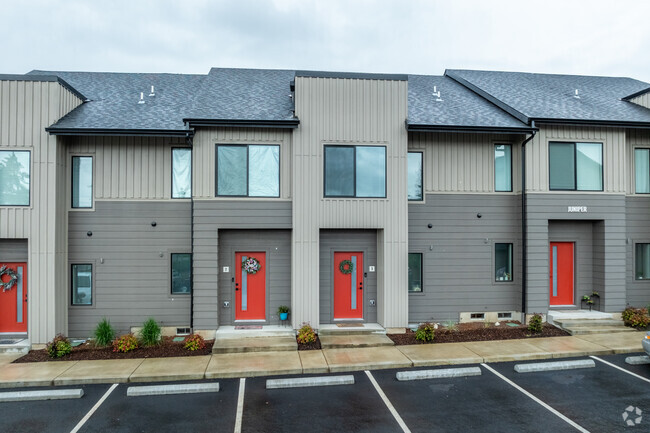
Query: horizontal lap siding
[458, 263]
[134, 282]
[638, 231]
[13, 250]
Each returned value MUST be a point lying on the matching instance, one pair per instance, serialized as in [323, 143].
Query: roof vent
[141, 101]
[436, 93]
[152, 92]
[577, 96]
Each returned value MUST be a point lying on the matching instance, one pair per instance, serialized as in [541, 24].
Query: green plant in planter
[283, 312]
[535, 323]
[306, 334]
[425, 332]
[194, 342]
[150, 333]
[636, 317]
[104, 333]
[125, 343]
[59, 346]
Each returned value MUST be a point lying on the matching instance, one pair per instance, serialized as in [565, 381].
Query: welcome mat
[248, 327]
[350, 325]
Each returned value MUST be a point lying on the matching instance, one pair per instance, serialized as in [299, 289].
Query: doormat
[12, 341]
[248, 327]
[350, 325]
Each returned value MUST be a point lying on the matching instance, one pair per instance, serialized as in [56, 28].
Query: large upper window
[415, 175]
[642, 171]
[14, 178]
[503, 262]
[181, 172]
[82, 284]
[415, 272]
[82, 181]
[502, 167]
[248, 170]
[355, 171]
[181, 273]
[576, 166]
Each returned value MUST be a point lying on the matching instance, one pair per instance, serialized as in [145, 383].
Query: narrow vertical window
[415, 272]
[82, 181]
[642, 171]
[503, 262]
[181, 273]
[503, 167]
[589, 166]
[415, 176]
[14, 178]
[181, 173]
[371, 171]
[82, 284]
[642, 266]
[339, 171]
[562, 166]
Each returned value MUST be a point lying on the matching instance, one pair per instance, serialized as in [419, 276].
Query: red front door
[561, 273]
[13, 300]
[348, 285]
[250, 286]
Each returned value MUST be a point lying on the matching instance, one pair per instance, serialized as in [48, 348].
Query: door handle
[360, 286]
[236, 286]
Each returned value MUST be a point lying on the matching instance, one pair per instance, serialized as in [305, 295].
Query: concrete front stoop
[582, 322]
[11, 344]
[366, 335]
[268, 339]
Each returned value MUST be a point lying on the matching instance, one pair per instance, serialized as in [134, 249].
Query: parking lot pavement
[619, 360]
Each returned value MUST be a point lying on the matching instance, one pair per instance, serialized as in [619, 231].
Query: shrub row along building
[211, 200]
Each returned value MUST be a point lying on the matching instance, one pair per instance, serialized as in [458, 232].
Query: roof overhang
[637, 94]
[283, 124]
[467, 129]
[121, 132]
[594, 123]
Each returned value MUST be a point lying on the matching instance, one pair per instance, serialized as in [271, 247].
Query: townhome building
[210, 200]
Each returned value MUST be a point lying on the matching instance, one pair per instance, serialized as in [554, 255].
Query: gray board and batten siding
[131, 263]
[13, 250]
[458, 254]
[638, 231]
[211, 216]
[277, 246]
[332, 241]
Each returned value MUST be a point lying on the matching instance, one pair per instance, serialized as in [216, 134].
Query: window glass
[415, 272]
[503, 262]
[589, 166]
[371, 171]
[232, 169]
[181, 173]
[642, 271]
[642, 171]
[14, 178]
[264, 171]
[82, 284]
[502, 167]
[181, 273]
[82, 181]
[339, 171]
[415, 175]
[562, 166]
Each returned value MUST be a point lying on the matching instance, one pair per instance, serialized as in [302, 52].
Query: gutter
[524, 225]
[289, 124]
[121, 132]
[190, 142]
[418, 127]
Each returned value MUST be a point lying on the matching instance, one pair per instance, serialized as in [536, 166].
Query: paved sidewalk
[308, 362]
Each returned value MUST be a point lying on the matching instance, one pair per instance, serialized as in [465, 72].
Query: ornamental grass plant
[151, 333]
[104, 333]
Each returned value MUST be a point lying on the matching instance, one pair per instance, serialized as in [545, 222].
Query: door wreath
[13, 278]
[346, 267]
[251, 265]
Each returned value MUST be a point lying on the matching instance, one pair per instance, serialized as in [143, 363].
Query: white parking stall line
[240, 405]
[620, 368]
[537, 400]
[93, 409]
[389, 405]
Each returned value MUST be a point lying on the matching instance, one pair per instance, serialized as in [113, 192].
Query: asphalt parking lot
[590, 399]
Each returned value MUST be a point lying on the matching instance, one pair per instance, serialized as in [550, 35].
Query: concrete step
[255, 344]
[583, 330]
[364, 329]
[354, 341]
[589, 322]
[11, 344]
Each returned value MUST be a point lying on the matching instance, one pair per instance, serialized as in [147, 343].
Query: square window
[576, 166]
[248, 170]
[415, 176]
[355, 171]
[14, 178]
[415, 272]
[181, 173]
[181, 273]
[82, 284]
[503, 262]
[642, 266]
[642, 171]
[82, 182]
[502, 167]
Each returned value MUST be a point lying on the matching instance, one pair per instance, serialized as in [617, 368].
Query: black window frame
[171, 274]
[92, 284]
[495, 171]
[247, 146]
[29, 201]
[171, 193]
[648, 151]
[421, 175]
[408, 288]
[72, 179]
[512, 262]
[354, 148]
[575, 166]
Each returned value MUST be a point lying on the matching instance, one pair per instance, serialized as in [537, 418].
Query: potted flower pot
[283, 312]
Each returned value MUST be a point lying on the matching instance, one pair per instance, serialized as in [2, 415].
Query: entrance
[561, 273]
[348, 285]
[13, 297]
[250, 286]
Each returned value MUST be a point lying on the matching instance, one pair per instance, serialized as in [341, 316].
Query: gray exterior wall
[211, 216]
[638, 231]
[458, 254]
[634, 139]
[642, 100]
[13, 250]
[277, 245]
[131, 263]
[347, 240]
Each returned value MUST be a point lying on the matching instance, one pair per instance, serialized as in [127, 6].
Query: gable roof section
[551, 97]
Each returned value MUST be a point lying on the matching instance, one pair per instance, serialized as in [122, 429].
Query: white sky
[594, 37]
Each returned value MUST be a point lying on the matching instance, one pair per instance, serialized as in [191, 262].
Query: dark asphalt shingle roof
[551, 96]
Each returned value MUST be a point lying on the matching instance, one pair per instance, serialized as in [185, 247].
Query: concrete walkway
[309, 362]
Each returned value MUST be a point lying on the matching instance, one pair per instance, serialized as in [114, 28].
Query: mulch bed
[166, 349]
[464, 332]
[310, 346]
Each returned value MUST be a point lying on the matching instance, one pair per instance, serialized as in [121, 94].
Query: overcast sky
[595, 37]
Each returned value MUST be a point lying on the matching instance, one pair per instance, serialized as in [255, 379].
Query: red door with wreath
[13, 297]
[348, 285]
[250, 286]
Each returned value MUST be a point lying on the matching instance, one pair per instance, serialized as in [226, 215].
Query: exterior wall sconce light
[430, 225]
[89, 233]
[478, 215]
[154, 224]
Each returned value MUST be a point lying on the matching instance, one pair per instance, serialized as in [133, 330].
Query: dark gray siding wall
[211, 216]
[131, 263]
[13, 250]
[347, 240]
[607, 212]
[277, 245]
[638, 231]
[458, 254]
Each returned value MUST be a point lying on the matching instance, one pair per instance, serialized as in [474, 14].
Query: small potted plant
[587, 300]
[283, 312]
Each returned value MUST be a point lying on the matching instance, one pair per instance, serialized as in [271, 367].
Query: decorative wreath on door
[13, 278]
[346, 267]
[251, 265]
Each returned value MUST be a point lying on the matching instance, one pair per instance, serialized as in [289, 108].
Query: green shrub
[306, 334]
[104, 333]
[535, 323]
[194, 342]
[636, 317]
[283, 309]
[125, 343]
[150, 333]
[58, 347]
[425, 332]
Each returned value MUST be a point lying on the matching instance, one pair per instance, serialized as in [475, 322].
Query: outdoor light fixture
[478, 215]
[89, 233]
[430, 225]
[154, 224]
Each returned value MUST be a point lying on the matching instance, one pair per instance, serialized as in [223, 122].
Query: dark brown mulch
[167, 349]
[310, 346]
[478, 332]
